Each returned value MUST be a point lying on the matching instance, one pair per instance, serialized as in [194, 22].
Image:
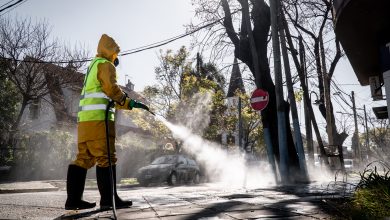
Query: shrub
[372, 196]
[43, 154]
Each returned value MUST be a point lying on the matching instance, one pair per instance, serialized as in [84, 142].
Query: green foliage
[9, 98]
[252, 130]
[299, 95]
[370, 178]
[181, 89]
[372, 196]
[373, 203]
[178, 83]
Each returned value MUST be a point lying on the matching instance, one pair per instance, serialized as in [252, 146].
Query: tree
[379, 139]
[181, 89]
[252, 133]
[224, 39]
[9, 99]
[312, 21]
[178, 83]
[26, 51]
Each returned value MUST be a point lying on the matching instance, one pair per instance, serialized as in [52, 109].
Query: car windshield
[348, 162]
[165, 160]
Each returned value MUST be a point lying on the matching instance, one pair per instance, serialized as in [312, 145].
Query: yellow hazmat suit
[92, 147]
[99, 87]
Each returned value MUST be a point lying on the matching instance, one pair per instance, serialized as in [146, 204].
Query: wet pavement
[204, 201]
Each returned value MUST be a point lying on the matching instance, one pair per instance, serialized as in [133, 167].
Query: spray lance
[111, 104]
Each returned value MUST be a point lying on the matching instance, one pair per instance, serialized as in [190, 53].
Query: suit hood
[107, 48]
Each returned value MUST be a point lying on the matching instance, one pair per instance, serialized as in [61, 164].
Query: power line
[6, 3]
[14, 8]
[11, 5]
[169, 40]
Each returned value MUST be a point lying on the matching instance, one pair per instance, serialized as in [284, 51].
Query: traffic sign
[259, 99]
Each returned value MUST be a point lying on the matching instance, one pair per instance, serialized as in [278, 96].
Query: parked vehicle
[173, 169]
[348, 164]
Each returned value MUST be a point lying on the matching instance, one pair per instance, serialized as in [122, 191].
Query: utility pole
[282, 134]
[293, 105]
[255, 60]
[365, 119]
[239, 123]
[355, 138]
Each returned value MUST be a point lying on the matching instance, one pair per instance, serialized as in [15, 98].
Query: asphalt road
[204, 201]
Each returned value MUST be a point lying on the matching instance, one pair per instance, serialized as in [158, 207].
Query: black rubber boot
[103, 181]
[75, 183]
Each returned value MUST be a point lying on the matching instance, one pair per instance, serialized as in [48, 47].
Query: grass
[129, 181]
[371, 199]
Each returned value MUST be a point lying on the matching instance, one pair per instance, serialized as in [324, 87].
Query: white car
[348, 163]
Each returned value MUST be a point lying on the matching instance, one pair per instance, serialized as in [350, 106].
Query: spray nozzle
[151, 112]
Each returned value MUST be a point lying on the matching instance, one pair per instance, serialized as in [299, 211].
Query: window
[191, 162]
[165, 160]
[182, 160]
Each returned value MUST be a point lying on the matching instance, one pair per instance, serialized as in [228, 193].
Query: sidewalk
[212, 203]
[203, 201]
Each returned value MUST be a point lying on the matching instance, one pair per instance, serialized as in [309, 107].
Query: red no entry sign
[259, 99]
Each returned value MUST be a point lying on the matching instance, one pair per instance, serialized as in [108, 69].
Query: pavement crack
[157, 215]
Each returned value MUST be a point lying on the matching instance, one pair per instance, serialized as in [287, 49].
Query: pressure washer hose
[110, 104]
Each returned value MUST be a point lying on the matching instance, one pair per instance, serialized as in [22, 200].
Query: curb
[8, 191]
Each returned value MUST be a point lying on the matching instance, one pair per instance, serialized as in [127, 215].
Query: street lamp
[355, 138]
[317, 101]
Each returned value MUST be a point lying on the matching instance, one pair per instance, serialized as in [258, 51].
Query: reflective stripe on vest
[94, 95]
[93, 101]
[94, 107]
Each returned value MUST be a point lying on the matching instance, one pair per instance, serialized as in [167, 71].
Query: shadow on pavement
[214, 210]
[308, 203]
[84, 214]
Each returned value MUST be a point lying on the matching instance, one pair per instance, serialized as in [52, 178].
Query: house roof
[58, 77]
[236, 82]
[133, 94]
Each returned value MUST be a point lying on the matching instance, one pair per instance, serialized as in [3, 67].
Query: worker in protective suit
[100, 86]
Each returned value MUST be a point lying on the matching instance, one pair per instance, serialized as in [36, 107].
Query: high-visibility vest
[93, 101]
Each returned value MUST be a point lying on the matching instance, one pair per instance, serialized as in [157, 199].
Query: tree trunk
[306, 94]
[261, 20]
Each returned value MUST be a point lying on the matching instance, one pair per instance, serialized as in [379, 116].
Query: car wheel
[196, 179]
[172, 179]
